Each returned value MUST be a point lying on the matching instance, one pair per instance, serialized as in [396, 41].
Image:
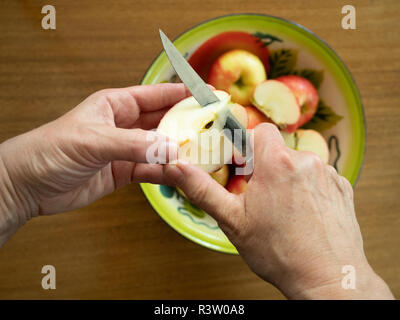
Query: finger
[206, 193]
[126, 172]
[267, 143]
[158, 96]
[109, 143]
[150, 120]
[127, 104]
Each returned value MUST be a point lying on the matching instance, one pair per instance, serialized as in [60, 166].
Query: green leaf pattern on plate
[266, 39]
[314, 76]
[282, 62]
[323, 119]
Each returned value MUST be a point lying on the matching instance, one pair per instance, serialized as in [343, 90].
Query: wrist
[16, 203]
[367, 285]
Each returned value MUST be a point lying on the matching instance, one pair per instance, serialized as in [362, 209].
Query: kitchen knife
[205, 96]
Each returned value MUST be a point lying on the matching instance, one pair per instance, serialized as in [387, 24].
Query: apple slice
[276, 101]
[307, 98]
[308, 140]
[237, 72]
[198, 131]
[237, 184]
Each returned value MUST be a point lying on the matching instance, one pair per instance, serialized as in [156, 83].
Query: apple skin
[237, 72]
[221, 175]
[255, 117]
[306, 96]
[237, 184]
[204, 57]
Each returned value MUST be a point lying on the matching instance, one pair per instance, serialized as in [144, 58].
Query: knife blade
[205, 96]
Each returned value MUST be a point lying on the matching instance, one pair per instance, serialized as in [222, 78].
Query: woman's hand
[295, 225]
[92, 150]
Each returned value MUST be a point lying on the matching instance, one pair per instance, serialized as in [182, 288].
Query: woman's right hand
[295, 225]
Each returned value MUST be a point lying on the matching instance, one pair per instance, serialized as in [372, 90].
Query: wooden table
[118, 247]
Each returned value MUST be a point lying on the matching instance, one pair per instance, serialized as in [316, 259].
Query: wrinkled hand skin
[295, 226]
[89, 152]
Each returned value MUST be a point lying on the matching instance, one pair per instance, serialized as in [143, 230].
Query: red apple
[255, 117]
[277, 102]
[203, 58]
[307, 98]
[237, 72]
[237, 184]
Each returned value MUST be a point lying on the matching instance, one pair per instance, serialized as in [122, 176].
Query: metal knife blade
[204, 95]
[189, 77]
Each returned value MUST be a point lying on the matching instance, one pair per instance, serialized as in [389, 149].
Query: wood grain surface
[118, 247]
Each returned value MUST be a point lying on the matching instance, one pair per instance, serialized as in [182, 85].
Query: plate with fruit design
[274, 71]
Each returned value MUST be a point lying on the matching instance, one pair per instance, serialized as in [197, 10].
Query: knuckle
[313, 160]
[102, 93]
[103, 96]
[285, 158]
[331, 170]
[347, 186]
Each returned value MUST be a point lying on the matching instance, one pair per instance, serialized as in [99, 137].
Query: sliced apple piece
[308, 140]
[277, 102]
[198, 131]
[307, 98]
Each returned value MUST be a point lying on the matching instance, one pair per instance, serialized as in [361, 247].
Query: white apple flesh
[198, 131]
[277, 102]
[307, 140]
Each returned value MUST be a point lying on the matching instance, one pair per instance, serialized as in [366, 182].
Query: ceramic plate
[293, 49]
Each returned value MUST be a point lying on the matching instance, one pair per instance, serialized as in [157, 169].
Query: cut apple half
[277, 102]
[307, 140]
[198, 131]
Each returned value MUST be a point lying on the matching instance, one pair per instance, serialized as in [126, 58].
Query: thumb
[203, 191]
[136, 145]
